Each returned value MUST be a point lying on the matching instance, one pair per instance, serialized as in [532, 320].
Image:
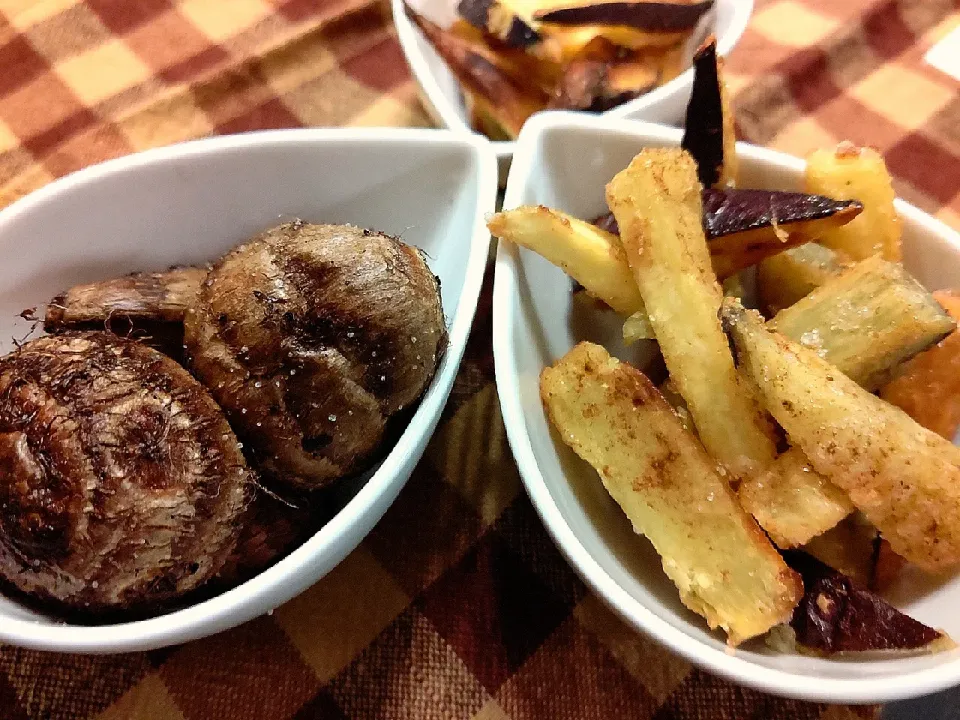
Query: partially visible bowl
[190, 203]
[564, 160]
[440, 91]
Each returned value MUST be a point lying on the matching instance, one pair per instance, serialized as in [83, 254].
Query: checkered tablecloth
[457, 605]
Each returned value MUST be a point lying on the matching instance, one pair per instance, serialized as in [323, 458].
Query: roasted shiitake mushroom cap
[121, 484]
[310, 337]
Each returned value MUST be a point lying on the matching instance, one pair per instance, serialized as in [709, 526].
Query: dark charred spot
[145, 453]
[316, 443]
[607, 222]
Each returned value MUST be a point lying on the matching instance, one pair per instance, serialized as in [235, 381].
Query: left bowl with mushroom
[222, 361]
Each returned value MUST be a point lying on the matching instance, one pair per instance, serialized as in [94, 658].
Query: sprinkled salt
[332, 418]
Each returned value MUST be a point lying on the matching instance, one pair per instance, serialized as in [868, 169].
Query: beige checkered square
[899, 93]
[293, 65]
[25, 13]
[484, 473]
[491, 711]
[332, 99]
[147, 700]
[220, 21]
[388, 111]
[803, 137]
[8, 141]
[166, 121]
[103, 71]
[807, 26]
[340, 615]
[660, 671]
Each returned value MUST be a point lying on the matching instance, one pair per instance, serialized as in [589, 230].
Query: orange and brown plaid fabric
[457, 605]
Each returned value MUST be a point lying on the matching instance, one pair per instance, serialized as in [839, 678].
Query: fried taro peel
[835, 615]
[650, 16]
[704, 129]
[732, 211]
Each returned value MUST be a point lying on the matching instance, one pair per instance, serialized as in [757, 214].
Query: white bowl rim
[505, 149]
[727, 665]
[343, 533]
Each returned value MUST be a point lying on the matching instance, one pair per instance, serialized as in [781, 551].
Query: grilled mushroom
[122, 487]
[142, 306]
[311, 337]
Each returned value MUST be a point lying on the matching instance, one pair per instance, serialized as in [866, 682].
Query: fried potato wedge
[613, 417]
[927, 387]
[637, 327]
[860, 174]
[792, 501]
[785, 278]
[483, 73]
[865, 323]
[903, 477]
[562, 44]
[591, 256]
[656, 201]
[867, 320]
[523, 67]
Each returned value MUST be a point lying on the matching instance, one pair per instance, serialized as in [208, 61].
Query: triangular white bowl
[564, 160]
[441, 96]
[190, 203]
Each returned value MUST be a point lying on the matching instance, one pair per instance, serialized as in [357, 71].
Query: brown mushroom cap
[310, 337]
[121, 485]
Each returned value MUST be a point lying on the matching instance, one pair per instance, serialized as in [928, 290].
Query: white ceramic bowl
[442, 98]
[564, 160]
[190, 203]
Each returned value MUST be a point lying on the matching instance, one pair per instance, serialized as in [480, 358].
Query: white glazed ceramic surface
[564, 160]
[441, 95]
[190, 203]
